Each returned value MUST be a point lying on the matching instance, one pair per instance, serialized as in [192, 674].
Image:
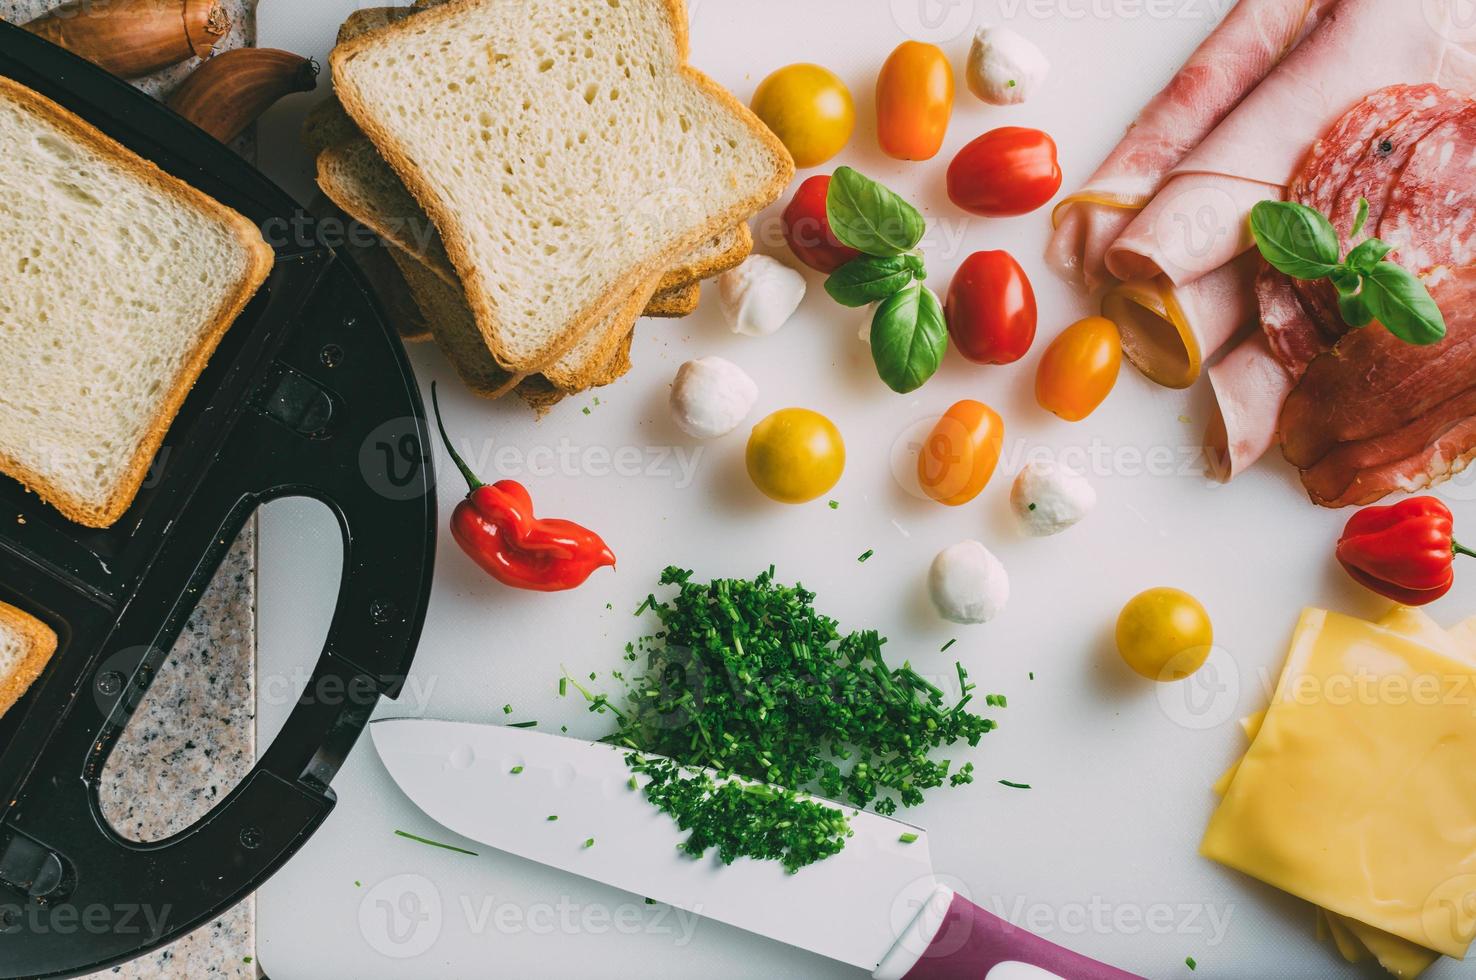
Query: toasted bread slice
[26, 646]
[120, 282]
[453, 329]
[675, 303]
[480, 106]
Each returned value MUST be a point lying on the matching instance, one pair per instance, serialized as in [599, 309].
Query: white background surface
[1101, 854]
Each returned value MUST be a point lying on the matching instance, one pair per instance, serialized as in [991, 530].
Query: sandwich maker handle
[352, 439]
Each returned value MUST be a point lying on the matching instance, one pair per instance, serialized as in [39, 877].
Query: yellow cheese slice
[1358, 795]
[1399, 957]
[1349, 948]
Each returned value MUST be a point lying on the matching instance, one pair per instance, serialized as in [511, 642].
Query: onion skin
[231, 91]
[132, 38]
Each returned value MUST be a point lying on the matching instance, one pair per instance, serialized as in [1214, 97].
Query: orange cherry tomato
[914, 98]
[961, 453]
[1079, 368]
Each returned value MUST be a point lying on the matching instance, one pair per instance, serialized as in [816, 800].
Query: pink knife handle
[972, 944]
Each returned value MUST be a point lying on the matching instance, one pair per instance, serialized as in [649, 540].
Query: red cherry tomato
[914, 98]
[807, 229]
[1005, 172]
[991, 309]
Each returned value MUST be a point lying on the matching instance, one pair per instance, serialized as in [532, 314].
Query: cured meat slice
[1250, 384]
[1169, 331]
[1197, 221]
[1253, 37]
[1362, 158]
[1375, 414]
[1431, 215]
[1292, 334]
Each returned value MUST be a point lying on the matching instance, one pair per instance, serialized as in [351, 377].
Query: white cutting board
[1101, 854]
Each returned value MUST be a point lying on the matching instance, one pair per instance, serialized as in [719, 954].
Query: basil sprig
[871, 278]
[908, 338]
[1302, 243]
[908, 333]
[869, 218]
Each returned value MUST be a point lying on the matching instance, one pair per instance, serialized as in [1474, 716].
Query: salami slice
[1294, 336]
[1362, 158]
[1431, 215]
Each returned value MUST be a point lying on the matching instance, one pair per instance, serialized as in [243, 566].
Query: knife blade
[876, 905]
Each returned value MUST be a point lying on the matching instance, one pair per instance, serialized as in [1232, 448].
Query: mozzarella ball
[968, 584]
[759, 296]
[1004, 67]
[711, 397]
[1048, 498]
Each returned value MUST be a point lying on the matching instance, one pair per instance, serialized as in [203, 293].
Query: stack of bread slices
[542, 173]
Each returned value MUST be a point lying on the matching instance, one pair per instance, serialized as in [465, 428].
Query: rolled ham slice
[1168, 331]
[1253, 37]
[1250, 385]
[1198, 221]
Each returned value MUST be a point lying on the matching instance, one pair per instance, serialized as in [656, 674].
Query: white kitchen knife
[875, 905]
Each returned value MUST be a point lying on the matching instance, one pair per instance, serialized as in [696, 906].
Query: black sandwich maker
[309, 394]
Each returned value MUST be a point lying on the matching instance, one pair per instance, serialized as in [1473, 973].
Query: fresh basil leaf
[908, 338]
[869, 279]
[1361, 220]
[915, 263]
[1353, 304]
[1295, 239]
[866, 216]
[1402, 304]
[1366, 255]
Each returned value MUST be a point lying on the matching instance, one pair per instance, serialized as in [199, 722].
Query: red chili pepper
[496, 527]
[1404, 552]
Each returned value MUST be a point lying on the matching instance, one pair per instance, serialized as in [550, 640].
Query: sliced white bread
[120, 281]
[454, 329]
[356, 178]
[26, 646]
[565, 151]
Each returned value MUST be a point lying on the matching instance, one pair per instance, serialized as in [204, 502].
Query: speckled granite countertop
[194, 736]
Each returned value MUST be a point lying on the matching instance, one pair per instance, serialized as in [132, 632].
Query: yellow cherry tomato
[914, 99]
[1079, 368]
[1164, 634]
[961, 453]
[795, 455]
[810, 109]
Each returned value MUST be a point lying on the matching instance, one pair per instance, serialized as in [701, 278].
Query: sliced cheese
[1349, 948]
[1399, 957]
[1358, 794]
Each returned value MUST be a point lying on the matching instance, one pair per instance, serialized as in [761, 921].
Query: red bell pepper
[1404, 552]
[495, 525]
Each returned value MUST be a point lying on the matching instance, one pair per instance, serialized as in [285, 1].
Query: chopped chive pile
[746, 678]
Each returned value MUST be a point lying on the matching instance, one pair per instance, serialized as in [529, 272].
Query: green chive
[589, 843]
[523, 724]
[948, 644]
[423, 840]
[507, 709]
[1006, 782]
[553, 816]
[866, 555]
[563, 686]
[835, 505]
[908, 838]
[1189, 962]
[516, 769]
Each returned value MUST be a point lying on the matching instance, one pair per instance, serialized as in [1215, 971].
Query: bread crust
[450, 224]
[673, 304]
[41, 644]
[260, 259]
